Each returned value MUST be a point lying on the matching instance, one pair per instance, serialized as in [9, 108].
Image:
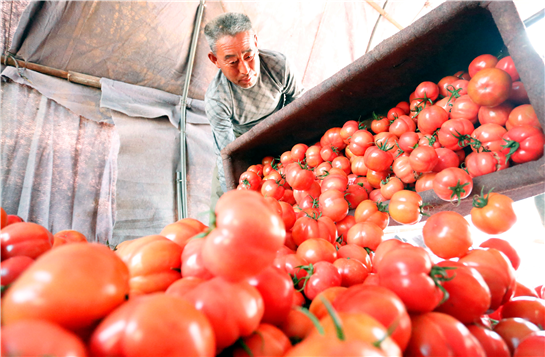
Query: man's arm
[219, 116]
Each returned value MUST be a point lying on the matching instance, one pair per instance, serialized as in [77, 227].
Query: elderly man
[251, 84]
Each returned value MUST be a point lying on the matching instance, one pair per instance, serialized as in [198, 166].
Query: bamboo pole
[74, 77]
[384, 13]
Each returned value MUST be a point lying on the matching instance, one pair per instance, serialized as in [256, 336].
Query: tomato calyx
[384, 146]
[454, 93]
[382, 207]
[378, 117]
[464, 139]
[310, 271]
[335, 318]
[386, 180]
[439, 274]
[457, 191]
[339, 240]
[244, 346]
[312, 318]
[480, 201]
[3, 288]
[513, 146]
[422, 207]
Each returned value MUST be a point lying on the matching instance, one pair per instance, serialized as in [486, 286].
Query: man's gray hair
[228, 24]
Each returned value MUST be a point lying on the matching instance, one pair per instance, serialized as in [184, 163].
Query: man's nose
[244, 67]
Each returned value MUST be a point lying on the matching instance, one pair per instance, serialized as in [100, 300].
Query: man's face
[238, 59]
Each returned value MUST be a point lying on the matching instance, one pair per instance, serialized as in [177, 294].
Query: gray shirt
[233, 110]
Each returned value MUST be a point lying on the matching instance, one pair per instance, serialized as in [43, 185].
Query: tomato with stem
[493, 213]
[523, 144]
[447, 234]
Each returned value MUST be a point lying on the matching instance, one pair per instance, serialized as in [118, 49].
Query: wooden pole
[384, 13]
[74, 77]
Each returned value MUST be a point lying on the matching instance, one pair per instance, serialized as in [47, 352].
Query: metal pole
[181, 176]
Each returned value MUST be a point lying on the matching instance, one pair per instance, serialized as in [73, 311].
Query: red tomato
[378, 158]
[452, 184]
[298, 152]
[349, 128]
[438, 334]
[317, 306]
[385, 247]
[482, 163]
[286, 158]
[468, 294]
[526, 307]
[406, 207]
[68, 236]
[496, 270]
[314, 227]
[355, 194]
[288, 214]
[444, 84]
[323, 275]
[258, 169]
[181, 286]
[333, 205]
[298, 177]
[267, 160]
[374, 178]
[518, 93]
[493, 213]
[404, 106]
[11, 268]
[490, 136]
[369, 211]
[505, 247]
[402, 125]
[425, 182]
[276, 289]
[490, 87]
[387, 141]
[431, 118]
[25, 238]
[446, 158]
[355, 252]
[315, 250]
[313, 157]
[460, 87]
[462, 75]
[13, 219]
[365, 234]
[166, 325]
[395, 113]
[523, 143]
[380, 124]
[423, 159]
[341, 163]
[85, 283]
[381, 304]
[313, 192]
[267, 340]
[524, 290]
[403, 170]
[180, 232]
[250, 181]
[465, 108]
[240, 217]
[406, 271]
[427, 90]
[4, 215]
[390, 186]
[334, 182]
[233, 309]
[358, 166]
[408, 141]
[481, 62]
[513, 330]
[507, 64]
[360, 141]
[352, 271]
[491, 342]
[192, 263]
[532, 345]
[297, 325]
[447, 234]
[40, 338]
[291, 264]
[497, 115]
[149, 274]
[522, 115]
[272, 188]
[344, 225]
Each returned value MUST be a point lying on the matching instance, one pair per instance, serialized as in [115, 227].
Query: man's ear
[213, 59]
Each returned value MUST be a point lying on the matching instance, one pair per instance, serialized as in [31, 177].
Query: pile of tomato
[295, 262]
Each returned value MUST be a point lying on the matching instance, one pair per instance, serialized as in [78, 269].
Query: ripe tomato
[490, 136]
[314, 250]
[504, 247]
[149, 274]
[276, 289]
[250, 181]
[408, 141]
[299, 177]
[298, 152]
[518, 93]
[513, 330]
[431, 118]
[532, 345]
[25, 238]
[352, 271]
[334, 182]
[523, 143]
[192, 263]
[402, 125]
[181, 286]
[491, 342]
[380, 124]
[522, 115]
[482, 163]
[390, 186]
[369, 211]
[481, 62]
[497, 115]
[323, 275]
[447, 234]
[313, 157]
[272, 188]
[313, 192]
[452, 184]
[444, 84]
[317, 306]
[355, 194]
[85, 282]
[446, 158]
[404, 106]
[378, 158]
[349, 128]
[267, 340]
[341, 163]
[332, 138]
[455, 134]
[423, 159]
[395, 113]
[333, 205]
[490, 87]
[526, 307]
[11, 268]
[406, 207]
[403, 170]
[68, 236]
[438, 334]
[465, 108]
[291, 264]
[167, 325]
[406, 271]
[313, 227]
[40, 338]
[365, 234]
[258, 169]
[381, 304]
[496, 270]
[374, 178]
[355, 252]
[360, 141]
[493, 213]
[460, 87]
[507, 64]
[181, 231]
[428, 90]
[240, 217]
[468, 294]
[4, 215]
[425, 182]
